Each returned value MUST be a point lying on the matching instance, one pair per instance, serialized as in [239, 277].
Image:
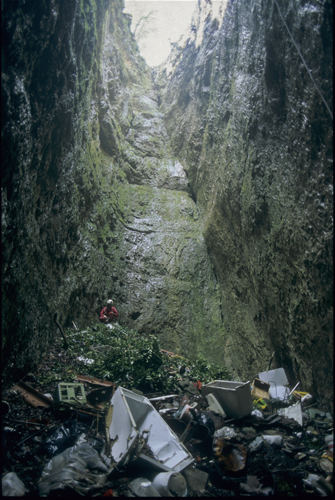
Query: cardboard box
[260, 389]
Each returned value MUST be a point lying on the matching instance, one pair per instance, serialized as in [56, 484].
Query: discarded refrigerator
[234, 397]
[137, 431]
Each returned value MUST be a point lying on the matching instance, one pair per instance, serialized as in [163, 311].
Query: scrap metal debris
[234, 397]
[223, 438]
[278, 382]
[136, 421]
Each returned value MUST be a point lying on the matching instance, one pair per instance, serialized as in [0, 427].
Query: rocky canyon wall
[94, 203]
[50, 166]
[249, 113]
[111, 187]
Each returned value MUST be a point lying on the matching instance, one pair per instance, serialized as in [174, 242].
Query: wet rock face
[50, 70]
[94, 204]
[163, 278]
[97, 203]
[254, 135]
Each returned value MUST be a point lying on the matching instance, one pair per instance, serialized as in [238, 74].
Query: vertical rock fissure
[255, 140]
[201, 202]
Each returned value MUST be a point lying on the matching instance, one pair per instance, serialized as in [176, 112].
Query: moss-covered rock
[50, 163]
[93, 202]
[97, 202]
[258, 153]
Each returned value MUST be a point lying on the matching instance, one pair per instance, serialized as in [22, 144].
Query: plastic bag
[204, 420]
[276, 440]
[12, 486]
[71, 469]
[225, 432]
[63, 437]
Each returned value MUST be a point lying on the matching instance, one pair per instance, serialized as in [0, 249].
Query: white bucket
[170, 484]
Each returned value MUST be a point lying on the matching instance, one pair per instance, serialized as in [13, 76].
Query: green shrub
[133, 359]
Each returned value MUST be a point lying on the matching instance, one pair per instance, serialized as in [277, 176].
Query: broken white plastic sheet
[278, 383]
[293, 411]
[136, 421]
[214, 405]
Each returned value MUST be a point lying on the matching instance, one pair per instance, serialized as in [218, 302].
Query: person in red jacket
[108, 313]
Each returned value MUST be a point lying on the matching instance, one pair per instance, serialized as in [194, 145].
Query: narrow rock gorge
[197, 195]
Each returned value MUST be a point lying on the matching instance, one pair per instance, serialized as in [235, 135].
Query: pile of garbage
[222, 438]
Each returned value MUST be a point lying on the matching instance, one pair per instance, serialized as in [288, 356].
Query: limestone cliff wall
[97, 202]
[250, 118]
[58, 198]
[50, 160]
[94, 204]
[163, 280]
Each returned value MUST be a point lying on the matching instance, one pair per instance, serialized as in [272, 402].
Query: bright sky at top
[169, 19]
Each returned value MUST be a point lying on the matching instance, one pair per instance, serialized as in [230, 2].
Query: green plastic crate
[71, 393]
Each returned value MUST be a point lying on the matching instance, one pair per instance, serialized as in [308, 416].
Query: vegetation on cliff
[218, 242]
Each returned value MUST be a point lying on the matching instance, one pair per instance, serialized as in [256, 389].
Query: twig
[61, 331]
[26, 422]
[186, 431]
[271, 359]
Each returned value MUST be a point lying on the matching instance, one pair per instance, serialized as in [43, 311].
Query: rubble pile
[93, 437]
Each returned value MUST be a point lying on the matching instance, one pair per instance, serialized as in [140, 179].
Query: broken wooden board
[33, 397]
[260, 389]
[95, 381]
[171, 354]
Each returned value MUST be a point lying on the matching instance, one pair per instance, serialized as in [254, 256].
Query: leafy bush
[134, 360]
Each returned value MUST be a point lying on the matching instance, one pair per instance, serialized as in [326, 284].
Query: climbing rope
[303, 61]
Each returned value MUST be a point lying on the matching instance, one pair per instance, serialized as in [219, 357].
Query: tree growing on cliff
[143, 26]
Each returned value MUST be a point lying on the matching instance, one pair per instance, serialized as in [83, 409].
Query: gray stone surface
[257, 149]
[106, 193]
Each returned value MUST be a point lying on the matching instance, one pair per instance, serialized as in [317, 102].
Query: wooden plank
[171, 354]
[95, 380]
[33, 397]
